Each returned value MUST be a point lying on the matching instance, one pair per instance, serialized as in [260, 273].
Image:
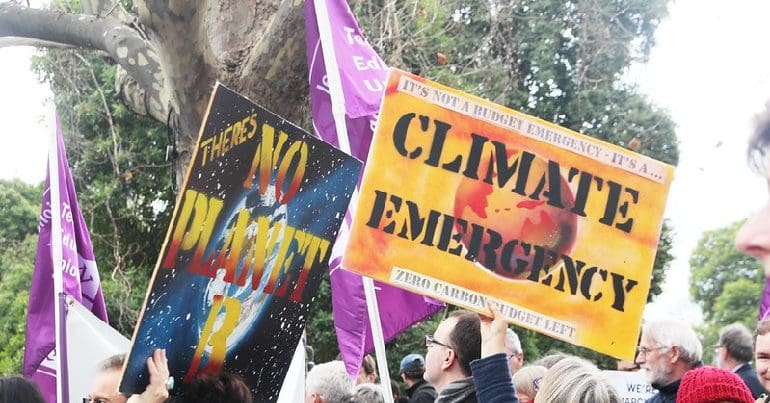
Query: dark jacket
[492, 378]
[749, 376]
[421, 392]
[461, 391]
[666, 394]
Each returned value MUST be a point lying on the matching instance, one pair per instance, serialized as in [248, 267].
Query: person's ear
[676, 354]
[449, 359]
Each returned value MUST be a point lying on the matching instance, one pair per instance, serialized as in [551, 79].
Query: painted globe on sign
[516, 217]
[251, 301]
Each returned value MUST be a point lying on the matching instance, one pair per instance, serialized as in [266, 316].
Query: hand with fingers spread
[157, 390]
[492, 331]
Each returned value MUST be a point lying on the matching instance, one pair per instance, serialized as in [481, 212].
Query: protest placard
[632, 387]
[250, 237]
[465, 200]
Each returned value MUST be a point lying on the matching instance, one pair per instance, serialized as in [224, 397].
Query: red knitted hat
[709, 384]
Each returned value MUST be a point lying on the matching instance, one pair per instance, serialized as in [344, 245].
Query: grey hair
[113, 363]
[512, 341]
[368, 393]
[671, 333]
[759, 141]
[576, 380]
[527, 379]
[738, 342]
[330, 380]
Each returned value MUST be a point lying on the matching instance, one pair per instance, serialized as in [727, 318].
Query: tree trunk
[172, 52]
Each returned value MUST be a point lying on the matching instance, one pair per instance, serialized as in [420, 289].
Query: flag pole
[56, 254]
[338, 111]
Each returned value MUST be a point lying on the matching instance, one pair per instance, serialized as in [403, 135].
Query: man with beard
[667, 350]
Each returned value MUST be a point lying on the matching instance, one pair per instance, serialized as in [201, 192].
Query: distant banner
[464, 200]
[249, 241]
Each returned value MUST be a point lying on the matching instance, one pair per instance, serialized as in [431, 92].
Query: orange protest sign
[465, 200]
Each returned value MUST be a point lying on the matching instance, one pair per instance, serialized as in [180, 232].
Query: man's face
[754, 236]
[105, 388]
[437, 354]
[762, 355]
[515, 360]
[655, 362]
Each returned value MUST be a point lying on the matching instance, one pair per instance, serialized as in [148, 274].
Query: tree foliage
[20, 204]
[124, 183]
[714, 264]
[725, 283]
[559, 60]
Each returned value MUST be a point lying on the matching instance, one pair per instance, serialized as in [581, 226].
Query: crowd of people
[471, 358]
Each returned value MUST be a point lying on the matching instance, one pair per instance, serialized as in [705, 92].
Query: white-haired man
[327, 383]
[667, 350]
[513, 351]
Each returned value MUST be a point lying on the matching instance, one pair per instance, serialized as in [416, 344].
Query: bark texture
[171, 52]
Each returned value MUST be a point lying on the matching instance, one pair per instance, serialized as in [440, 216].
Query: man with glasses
[667, 350]
[455, 343]
[513, 351]
[734, 352]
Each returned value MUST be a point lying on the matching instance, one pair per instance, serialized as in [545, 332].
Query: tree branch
[126, 44]
[9, 41]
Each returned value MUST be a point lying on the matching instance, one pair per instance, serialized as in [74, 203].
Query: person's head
[754, 236]
[412, 368]
[19, 390]
[734, 347]
[455, 343]
[368, 371]
[550, 359]
[513, 351]
[667, 350]
[709, 384]
[327, 382]
[575, 380]
[107, 381]
[221, 387]
[527, 382]
[368, 393]
[762, 352]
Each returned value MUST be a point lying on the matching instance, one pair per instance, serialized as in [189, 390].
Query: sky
[709, 69]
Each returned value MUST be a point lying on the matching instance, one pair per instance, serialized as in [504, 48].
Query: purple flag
[363, 75]
[80, 278]
[764, 302]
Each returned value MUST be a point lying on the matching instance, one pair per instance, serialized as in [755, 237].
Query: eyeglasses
[717, 347]
[430, 341]
[644, 350]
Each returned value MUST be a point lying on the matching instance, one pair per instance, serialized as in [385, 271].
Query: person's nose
[753, 238]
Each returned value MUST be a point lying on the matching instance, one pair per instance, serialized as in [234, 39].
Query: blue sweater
[492, 378]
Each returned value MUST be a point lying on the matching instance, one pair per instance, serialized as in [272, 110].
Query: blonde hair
[524, 379]
[577, 381]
